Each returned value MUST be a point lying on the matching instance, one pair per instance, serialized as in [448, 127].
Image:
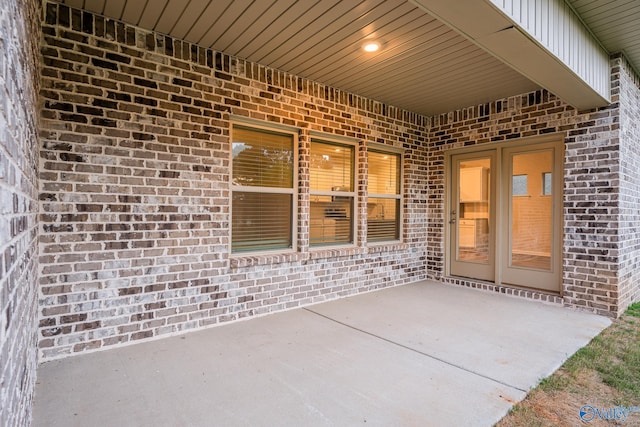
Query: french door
[472, 215]
[505, 215]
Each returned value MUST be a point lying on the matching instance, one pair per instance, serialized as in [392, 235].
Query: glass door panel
[470, 216]
[531, 216]
[531, 211]
[473, 210]
[505, 215]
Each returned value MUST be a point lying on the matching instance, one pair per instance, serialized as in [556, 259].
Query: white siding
[556, 27]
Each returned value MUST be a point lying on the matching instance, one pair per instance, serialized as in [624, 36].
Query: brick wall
[591, 188]
[135, 187]
[628, 95]
[19, 34]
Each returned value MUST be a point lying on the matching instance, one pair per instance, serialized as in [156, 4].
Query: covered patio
[168, 166]
[419, 354]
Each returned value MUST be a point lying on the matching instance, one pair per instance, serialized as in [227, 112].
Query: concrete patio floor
[415, 355]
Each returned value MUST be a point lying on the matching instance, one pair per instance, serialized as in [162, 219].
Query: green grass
[615, 355]
[611, 359]
[633, 310]
[553, 383]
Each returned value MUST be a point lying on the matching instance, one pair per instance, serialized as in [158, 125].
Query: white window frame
[293, 191]
[381, 148]
[338, 141]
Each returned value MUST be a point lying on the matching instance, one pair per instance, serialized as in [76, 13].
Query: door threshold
[532, 294]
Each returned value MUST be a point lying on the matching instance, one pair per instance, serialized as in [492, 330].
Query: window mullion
[274, 190]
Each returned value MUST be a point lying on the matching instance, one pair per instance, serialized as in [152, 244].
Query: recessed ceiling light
[371, 46]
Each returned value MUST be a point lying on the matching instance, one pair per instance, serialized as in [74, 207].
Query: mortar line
[431, 356]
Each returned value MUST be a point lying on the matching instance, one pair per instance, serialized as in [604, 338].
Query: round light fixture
[371, 46]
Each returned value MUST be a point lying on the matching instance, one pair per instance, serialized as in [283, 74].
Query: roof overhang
[544, 41]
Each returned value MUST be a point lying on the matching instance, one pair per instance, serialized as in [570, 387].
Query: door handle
[452, 221]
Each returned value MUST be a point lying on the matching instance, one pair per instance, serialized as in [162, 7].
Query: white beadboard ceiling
[424, 66]
[616, 23]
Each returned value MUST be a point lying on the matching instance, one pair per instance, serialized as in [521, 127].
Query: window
[519, 185]
[332, 189]
[263, 205]
[384, 201]
[546, 184]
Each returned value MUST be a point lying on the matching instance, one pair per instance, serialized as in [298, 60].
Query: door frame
[499, 203]
[531, 276]
[487, 272]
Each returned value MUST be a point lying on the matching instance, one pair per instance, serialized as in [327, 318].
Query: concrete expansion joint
[422, 353]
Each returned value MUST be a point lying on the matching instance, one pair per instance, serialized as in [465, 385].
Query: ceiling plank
[419, 58]
[283, 28]
[95, 6]
[349, 38]
[446, 80]
[343, 19]
[114, 8]
[189, 16]
[617, 23]
[228, 20]
[418, 32]
[614, 23]
[597, 7]
[246, 18]
[133, 11]
[152, 13]
[440, 64]
[76, 4]
[466, 89]
[170, 15]
[256, 30]
[207, 22]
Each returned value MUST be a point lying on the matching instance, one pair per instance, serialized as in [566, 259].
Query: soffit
[616, 23]
[424, 65]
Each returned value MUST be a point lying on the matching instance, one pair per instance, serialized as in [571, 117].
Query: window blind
[332, 193]
[384, 198]
[262, 206]
[261, 221]
[262, 158]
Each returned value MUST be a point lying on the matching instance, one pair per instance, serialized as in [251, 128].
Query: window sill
[378, 247]
[239, 261]
[335, 252]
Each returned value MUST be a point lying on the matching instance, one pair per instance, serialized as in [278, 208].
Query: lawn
[599, 385]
